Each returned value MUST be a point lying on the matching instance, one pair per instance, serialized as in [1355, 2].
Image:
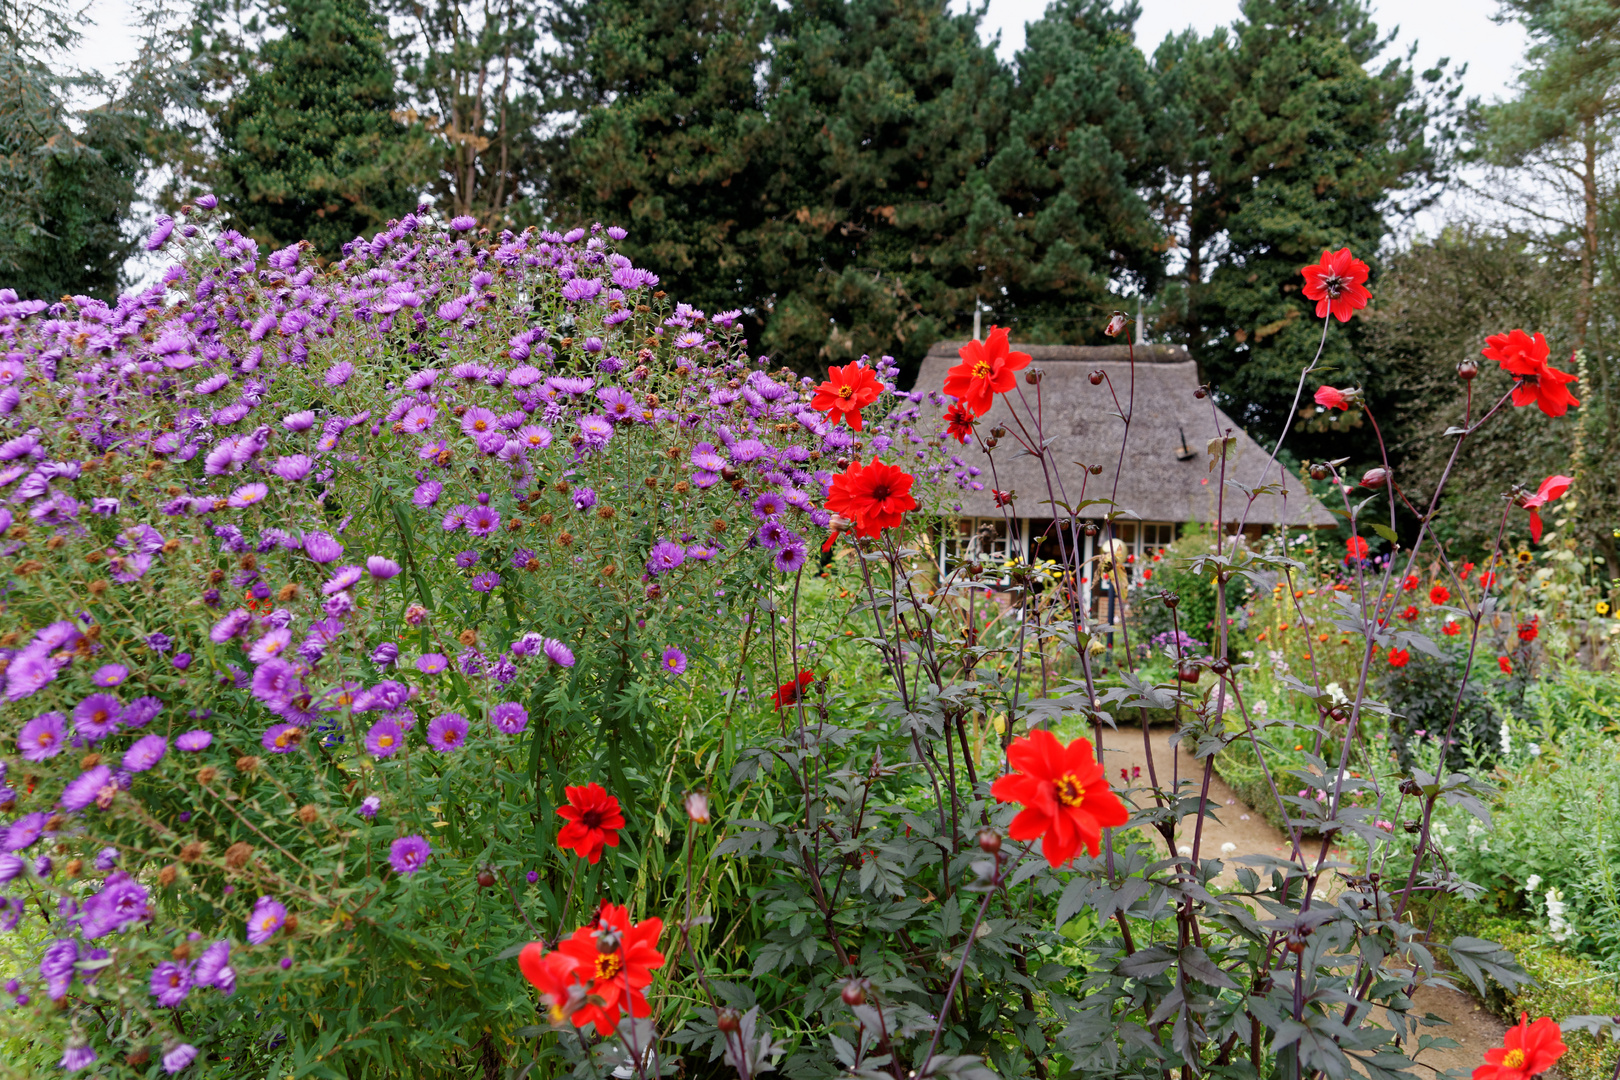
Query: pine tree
[309, 146]
[1294, 144]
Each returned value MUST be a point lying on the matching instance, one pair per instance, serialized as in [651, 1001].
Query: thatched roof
[1154, 485]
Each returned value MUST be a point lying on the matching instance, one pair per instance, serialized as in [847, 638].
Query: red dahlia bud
[1115, 324]
[727, 1020]
[486, 879]
[989, 841]
[1096, 377]
[1467, 370]
[1375, 478]
[1320, 472]
[854, 992]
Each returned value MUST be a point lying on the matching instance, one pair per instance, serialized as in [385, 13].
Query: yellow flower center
[480, 425]
[99, 716]
[1513, 1059]
[273, 647]
[282, 740]
[385, 741]
[46, 738]
[1070, 791]
[846, 391]
[982, 369]
[608, 965]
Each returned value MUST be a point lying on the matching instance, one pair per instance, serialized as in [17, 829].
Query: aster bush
[421, 665]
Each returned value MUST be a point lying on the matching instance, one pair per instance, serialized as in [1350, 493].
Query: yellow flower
[1601, 607]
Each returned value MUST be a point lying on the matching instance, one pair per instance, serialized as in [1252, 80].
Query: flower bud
[1201, 393]
[989, 841]
[998, 432]
[854, 992]
[1221, 666]
[697, 806]
[1375, 477]
[1320, 471]
[485, 879]
[1171, 600]
[1467, 370]
[1115, 324]
[727, 1020]
[1033, 376]
[1096, 377]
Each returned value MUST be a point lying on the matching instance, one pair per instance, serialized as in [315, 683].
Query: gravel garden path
[1473, 1027]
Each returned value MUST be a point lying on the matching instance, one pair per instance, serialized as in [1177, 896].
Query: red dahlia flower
[1410, 613]
[551, 973]
[1529, 630]
[1065, 794]
[875, 497]
[1452, 629]
[618, 974]
[1550, 489]
[1439, 594]
[986, 370]
[1527, 1050]
[1335, 283]
[1525, 358]
[1505, 664]
[959, 423]
[1355, 548]
[594, 820]
[847, 391]
[1399, 658]
[788, 693]
[1329, 398]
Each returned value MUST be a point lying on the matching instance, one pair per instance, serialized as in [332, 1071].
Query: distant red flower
[1065, 794]
[788, 693]
[1399, 658]
[1452, 628]
[1505, 664]
[875, 496]
[986, 370]
[551, 973]
[1329, 398]
[959, 422]
[1410, 613]
[1550, 489]
[618, 974]
[847, 391]
[1529, 630]
[1410, 583]
[1335, 283]
[1487, 578]
[1003, 498]
[594, 821]
[1527, 1050]
[1439, 594]
[1468, 568]
[1356, 548]
[1525, 358]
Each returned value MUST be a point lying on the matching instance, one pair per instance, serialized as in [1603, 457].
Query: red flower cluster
[1335, 283]
[594, 821]
[1525, 358]
[1527, 1050]
[875, 496]
[1065, 794]
[987, 369]
[611, 958]
[847, 391]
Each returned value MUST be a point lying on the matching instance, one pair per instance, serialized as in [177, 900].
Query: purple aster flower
[299, 421]
[94, 785]
[483, 520]
[790, 556]
[268, 916]
[282, 738]
[427, 493]
[42, 737]
[617, 402]
[463, 223]
[106, 859]
[171, 982]
[293, 467]
[369, 807]
[339, 373]
[465, 559]
[771, 535]
[140, 712]
[121, 903]
[247, 495]
[108, 676]
[29, 671]
[25, 832]
[146, 752]
[76, 1056]
[346, 577]
[448, 732]
[270, 646]
[56, 967]
[665, 556]
[432, 663]
[584, 498]
[597, 430]
[558, 653]
[193, 741]
[418, 418]
[522, 557]
[177, 1059]
[181, 661]
[509, 717]
[457, 517]
[380, 568]
[769, 505]
[384, 739]
[486, 581]
[159, 642]
[11, 868]
[230, 626]
[704, 457]
[215, 959]
[96, 717]
[533, 437]
[579, 289]
[408, 854]
[479, 421]
[385, 654]
[674, 661]
[322, 548]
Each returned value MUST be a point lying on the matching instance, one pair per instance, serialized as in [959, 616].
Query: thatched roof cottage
[1166, 481]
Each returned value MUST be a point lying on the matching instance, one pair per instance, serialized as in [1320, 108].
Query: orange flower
[1439, 594]
[1525, 358]
[1065, 794]
[847, 391]
[594, 821]
[552, 974]
[1527, 1050]
[1335, 283]
[875, 497]
[615, 974]
[986, 370]
[959, 423]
